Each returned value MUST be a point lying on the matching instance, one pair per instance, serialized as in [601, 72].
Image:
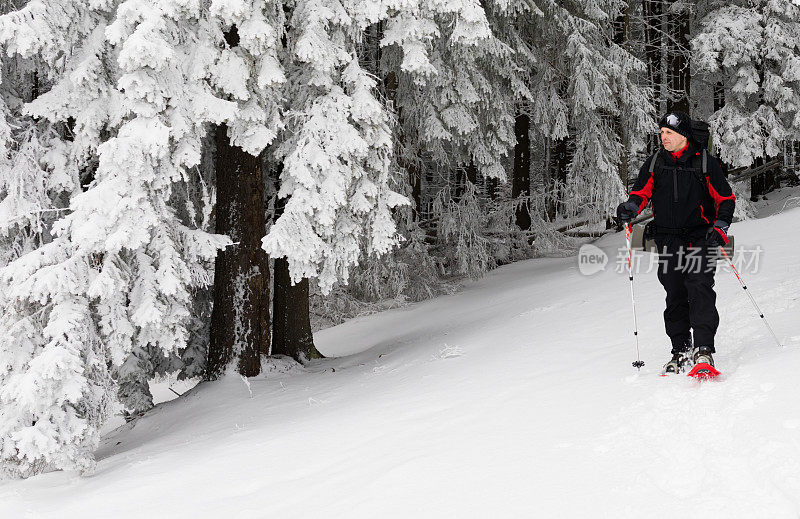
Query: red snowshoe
[703, 364]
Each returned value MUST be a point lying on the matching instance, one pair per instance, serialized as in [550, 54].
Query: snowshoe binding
[703, 364]
[676, 365]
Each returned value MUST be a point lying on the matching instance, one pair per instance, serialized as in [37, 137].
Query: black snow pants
[686, 270]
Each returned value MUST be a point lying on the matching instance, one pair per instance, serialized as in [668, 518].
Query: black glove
[717, 236]
[627, 211]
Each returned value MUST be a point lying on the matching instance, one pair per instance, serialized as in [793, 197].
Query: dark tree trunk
[653, 16]
[493, 187]
[652, 10]
[458, 184]
[35, 87]
[472, 173]
[719, 103]
[560, 164]
[622, 26]
[291, 322]
[415, 179]
[521, 181]
[719, 96]
[757, 183]
[763, 183]
[679, 76]
[240, 317]
[463, 177]
[411, 164]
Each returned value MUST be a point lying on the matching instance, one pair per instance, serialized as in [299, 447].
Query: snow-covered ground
[513, 398]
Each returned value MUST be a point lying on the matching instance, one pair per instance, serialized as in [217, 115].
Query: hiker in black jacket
[692, 212]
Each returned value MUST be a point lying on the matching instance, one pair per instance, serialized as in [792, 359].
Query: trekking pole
[638, 362]
[752, 300]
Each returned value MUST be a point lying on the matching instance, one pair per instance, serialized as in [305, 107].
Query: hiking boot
[703, 355]
[676, 364]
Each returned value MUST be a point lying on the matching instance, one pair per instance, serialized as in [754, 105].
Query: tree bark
[757, 187]
[240, 317]
[472, 173]
[415, 179]
[560, 163]
[679, 76]
[762, 183]
[291, 322]
[410, 164]
[652, 10]
[719, 96]
[719, 103]
[521, 181]
[765, 182]
[622, 26]
[463, 176]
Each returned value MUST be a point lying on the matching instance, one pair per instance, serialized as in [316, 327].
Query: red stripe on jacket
[718, 199]
[702, 215]
[645, 193]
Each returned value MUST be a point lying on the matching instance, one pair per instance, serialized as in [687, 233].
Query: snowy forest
[192, 186]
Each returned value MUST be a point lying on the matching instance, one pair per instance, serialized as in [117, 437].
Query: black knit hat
[677, 122]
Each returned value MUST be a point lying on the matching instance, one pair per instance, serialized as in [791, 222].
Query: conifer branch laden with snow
[105, 259]
[753, 48]
[117, 273]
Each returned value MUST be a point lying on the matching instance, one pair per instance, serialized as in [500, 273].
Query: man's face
[672, 140]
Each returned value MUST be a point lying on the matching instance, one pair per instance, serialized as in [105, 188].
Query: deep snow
[513, 398]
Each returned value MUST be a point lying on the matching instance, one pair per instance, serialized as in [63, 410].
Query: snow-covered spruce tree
[337, 152]
[753, 47]
[455, 108]
[407, 32]
[335, 157]
[249, 72]
[34, 187]
[598, 80]
[33, 179]
[510, 23]
[116, 276]
[54, 384]
[575, 85]
[473, 98]
[558, 63]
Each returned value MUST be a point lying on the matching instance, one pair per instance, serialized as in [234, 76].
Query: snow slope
[513, 398]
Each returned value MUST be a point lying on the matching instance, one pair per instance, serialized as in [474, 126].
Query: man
[692, 213]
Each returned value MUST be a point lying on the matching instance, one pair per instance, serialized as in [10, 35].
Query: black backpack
[701, 134]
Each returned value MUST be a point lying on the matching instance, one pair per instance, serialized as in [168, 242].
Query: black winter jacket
[682, 197]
